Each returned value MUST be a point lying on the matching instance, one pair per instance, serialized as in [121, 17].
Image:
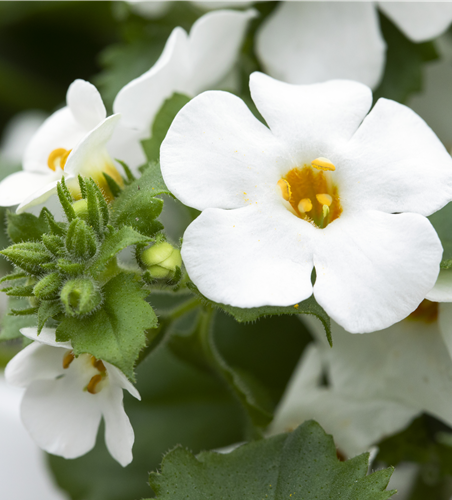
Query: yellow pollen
[305, 205]
[58, 157]
[324, 199]
[324, 164]
[285, 189]
[97, 363]
[93, 383]
[67, 359]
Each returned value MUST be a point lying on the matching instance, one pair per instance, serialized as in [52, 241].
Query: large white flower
[66, 398]
[72, 141]
[189, 64]
[317, 189]
[377, 383]
[309, 42]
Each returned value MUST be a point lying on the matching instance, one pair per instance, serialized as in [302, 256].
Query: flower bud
[48, 286]
[161, 260]
[81, 209]
[81, 240]
[28, 255]
[80, 296]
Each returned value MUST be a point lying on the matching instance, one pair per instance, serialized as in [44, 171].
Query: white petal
[34, 362]
[18, 186]
[85, 103]
[47, 337]
[312, 120]
[374, 269]
[60, 130]
[395, 163]
[442, 291]
[139, 101]
[419, 21]
[119, 436]
[406, 363]
[91, 155]
[216, 151]
[39, 196]
[125, 145]
[118, 378]
[60, 416]
[214, 43]
[310, 42]
[250, 257]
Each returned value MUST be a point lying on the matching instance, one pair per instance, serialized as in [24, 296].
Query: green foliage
[403, 74]
[162, 123]
[12, 323]
[442, 222]
[116, 332]
[300, 465]
[25, 227]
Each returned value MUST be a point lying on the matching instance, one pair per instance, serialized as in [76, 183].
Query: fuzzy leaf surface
[301, 465]
[26, 227]
[116, 333]
[11, 324]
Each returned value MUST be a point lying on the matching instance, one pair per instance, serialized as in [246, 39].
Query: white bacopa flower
[66, 398]
[317, 189]
[189, 64]
[72, 141]
[309, 42]
[377, 383]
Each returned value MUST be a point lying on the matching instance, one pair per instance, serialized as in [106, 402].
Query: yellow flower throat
[311, 192]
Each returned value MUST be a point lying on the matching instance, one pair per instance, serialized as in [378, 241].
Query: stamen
[58, 157]
[324, 199]
[305, 205]
[97, 363]
[93, 383]
[67, 359]
[324, 164]
[285, 189]
[325, 211]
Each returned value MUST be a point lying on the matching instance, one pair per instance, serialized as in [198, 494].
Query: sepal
[80, 297]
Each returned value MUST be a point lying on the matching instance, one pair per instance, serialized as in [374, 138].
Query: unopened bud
[80, 296]
[28, 255]
[161, 260]
[48, 287]
[81, 240]
[81, 209]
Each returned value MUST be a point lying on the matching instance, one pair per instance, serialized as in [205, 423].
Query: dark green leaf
[301, 465]
[113, 185]
[162, 122]
[11, 325]
[25, 227]
[47, 309]
[116, 333]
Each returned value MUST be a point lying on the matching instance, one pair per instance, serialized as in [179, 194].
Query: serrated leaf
[308, 306]
[25, 227]
[114, 243]
[116, 333]
[162, 123]
[442, 222]
[47, 309]
[11, 324]
[301, 465]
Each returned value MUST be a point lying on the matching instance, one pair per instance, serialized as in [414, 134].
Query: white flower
[66, 398]
[309, 42]
[189, 64]
[259, 236]
[158, 8]
[72, 141]
[378, 383]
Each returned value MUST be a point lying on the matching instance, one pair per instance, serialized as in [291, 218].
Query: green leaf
[47, 310]
[301, 465]
[442, 222]
[308, 306]
[115, 242]
[162, 123]
[404, 63]
[116, 333]
[11, 324]
[25, 227]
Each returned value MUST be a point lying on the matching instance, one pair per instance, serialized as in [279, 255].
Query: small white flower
[317, 189]
[72, 141]
[378, 383]
[66, 398]
[309, 42]
[189, 64]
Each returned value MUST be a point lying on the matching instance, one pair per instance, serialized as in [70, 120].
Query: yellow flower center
[427, 312]
[311, 192]
[57, 158]
[95, 384]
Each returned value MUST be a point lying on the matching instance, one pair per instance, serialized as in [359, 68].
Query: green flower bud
[80, 240]
[161, 260]
[81, 209]
[28, 256]
[47, 288]
[80, 296]
[53, 243]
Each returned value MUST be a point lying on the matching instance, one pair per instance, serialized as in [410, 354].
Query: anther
[97, 363]
[67, 359]
[323, 164]
[324, 199]
[58, 157]
[285, 189]
[93, 383]
[305, 205]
